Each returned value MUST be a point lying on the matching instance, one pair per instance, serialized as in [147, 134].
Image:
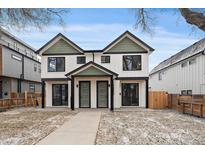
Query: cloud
[97, 36]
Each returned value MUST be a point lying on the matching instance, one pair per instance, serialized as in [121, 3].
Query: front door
[60, 95]
[130, 94]
[102, 94]
[84, 94]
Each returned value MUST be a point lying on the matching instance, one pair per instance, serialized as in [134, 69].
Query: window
[31, 87]
[16, 57]
[81, 60]
[160, 76]
[39, 69]
[184, 64]
[15, 46]
[105, 59]
[132, 63]
[192, 61]
[189, 92]
[35, 67]
[56, 64]
[183, 92]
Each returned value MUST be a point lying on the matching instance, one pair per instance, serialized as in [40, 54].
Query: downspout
[93, 56]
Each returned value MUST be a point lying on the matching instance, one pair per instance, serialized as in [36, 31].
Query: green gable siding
[92, 71]
[126, 45]
[61, 47]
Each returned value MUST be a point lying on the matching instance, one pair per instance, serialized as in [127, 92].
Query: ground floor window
[31, 87]
[60, 95]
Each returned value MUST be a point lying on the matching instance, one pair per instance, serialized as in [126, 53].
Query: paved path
[80, 129]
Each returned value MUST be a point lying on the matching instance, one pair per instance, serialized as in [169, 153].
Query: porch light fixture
[108, 85]
[76, 85]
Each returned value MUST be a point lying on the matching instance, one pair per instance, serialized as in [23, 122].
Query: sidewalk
[81, 129]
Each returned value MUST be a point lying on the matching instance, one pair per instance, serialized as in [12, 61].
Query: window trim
[34, 87]
[105, 60]
[131, 70]
[81, 57]
[56, 64]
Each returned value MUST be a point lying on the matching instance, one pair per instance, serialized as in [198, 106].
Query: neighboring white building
[109, 78]
[20, 68]
[183, 73]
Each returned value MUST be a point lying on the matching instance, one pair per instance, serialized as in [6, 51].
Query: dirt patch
[150, 127]
[29, 125]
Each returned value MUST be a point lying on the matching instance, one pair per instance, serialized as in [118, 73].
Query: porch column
[72, 92]
[111, 93]
[43, 94]
[147, 93]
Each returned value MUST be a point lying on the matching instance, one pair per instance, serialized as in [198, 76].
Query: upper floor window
[160, 76]
[192, 61]
[35, 67]
[31, 87]
[105, 59]
[56, 64]
[132, 63]
[81, 60]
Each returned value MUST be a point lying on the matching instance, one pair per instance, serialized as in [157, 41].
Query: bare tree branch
[194, 18]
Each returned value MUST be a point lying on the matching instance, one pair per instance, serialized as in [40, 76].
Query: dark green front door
[130, 94]
[102, 94]
[84, 94]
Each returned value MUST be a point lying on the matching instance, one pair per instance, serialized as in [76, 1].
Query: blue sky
[95, 28]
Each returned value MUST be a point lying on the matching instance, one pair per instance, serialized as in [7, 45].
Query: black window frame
[57, 69]
[137, 69]
[106, 60]
[81, 57]
[34, 87]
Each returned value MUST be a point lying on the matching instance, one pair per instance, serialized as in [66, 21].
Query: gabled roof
[91, 63]
[196, 48]
[59, 36]
[127, 33]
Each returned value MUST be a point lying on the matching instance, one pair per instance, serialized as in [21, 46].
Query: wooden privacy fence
[194, 105]
[21, 100]
[158, 99]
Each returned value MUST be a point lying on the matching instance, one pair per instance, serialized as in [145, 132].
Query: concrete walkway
[80, 129]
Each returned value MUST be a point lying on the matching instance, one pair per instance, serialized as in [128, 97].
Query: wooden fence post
[26, 98]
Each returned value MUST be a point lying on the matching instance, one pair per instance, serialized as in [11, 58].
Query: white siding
[177, 78]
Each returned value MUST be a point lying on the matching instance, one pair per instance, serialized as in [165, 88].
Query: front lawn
[150, 127]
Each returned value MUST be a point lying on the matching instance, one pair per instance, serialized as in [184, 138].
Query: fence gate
[158, 100]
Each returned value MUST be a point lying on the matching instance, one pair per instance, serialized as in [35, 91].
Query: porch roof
[91, 69]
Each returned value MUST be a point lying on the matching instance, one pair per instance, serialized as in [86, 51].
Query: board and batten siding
[176, 78]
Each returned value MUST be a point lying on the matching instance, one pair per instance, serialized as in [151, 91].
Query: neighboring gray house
[182, 73]
[20, 67]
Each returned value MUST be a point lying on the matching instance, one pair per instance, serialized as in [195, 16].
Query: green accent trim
[91, 71]
[61, 47]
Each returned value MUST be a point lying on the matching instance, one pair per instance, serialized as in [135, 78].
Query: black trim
[201, 52]
[89, 94]
[92, 51]
[43, 94]
[132, 78]
[58, 35]
[124, 52]
[72, 93]
[21, 54]
[111, 93]
[55, 79]
[147, 93]
[95, 64]
[127, 32]
[98, 81]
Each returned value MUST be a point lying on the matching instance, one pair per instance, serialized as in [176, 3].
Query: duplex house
[20, 67]
[182, 73]
[113, 77]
